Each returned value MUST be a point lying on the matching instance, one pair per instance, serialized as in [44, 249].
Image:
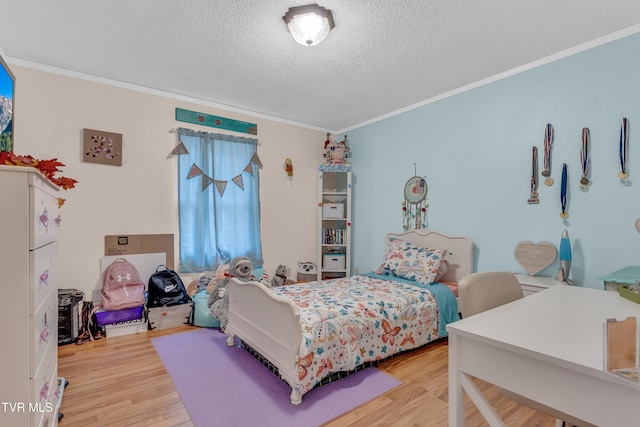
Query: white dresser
[29, 306]
[533, 284]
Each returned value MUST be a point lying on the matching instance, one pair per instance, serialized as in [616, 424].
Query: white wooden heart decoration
[535, 257]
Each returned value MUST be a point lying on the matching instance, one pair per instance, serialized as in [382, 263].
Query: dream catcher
[415, 204]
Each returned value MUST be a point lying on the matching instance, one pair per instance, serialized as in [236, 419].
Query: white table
[547, 348]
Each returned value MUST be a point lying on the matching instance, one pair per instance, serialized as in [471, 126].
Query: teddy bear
[307, 272]
[240, 268]
[280, 278]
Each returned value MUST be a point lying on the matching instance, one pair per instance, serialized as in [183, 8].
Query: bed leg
[231, 340]
[295, 397]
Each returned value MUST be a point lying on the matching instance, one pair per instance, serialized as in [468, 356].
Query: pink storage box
[107, 317]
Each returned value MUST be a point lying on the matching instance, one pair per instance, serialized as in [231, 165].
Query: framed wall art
[102, 147]
[7, 95]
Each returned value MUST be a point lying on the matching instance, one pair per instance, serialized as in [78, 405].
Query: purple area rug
[226, 386]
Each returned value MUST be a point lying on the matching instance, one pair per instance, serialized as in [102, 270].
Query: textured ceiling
[382, 56]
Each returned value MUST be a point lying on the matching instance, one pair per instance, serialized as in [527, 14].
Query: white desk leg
[456, 394]
[459, 383]
[480, 401]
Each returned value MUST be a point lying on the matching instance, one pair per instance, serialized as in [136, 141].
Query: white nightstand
[532, 284]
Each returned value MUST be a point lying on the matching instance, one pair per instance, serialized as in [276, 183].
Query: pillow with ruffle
[403, 259]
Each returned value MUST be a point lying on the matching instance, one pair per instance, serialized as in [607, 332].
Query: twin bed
[310, 331]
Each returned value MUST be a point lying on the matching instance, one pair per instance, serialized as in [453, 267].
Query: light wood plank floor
[121, 381]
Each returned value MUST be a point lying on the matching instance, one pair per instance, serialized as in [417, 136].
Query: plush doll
[307, 272]
[280, 278]
[240, 268]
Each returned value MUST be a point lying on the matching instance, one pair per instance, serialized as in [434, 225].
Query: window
[218, 200]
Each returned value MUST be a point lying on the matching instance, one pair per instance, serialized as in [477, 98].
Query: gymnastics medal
[584, 159]
[533, 198]
[624, 147]
[548, 143]
[563, 192]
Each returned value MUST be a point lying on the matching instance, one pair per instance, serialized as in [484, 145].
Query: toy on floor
[240, 268]
[207, 280]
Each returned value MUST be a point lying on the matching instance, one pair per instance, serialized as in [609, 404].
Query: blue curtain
[215, 228]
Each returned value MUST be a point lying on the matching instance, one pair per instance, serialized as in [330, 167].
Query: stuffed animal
[307, 272]
[240, 268]
[280, 278]
[264, 279]
[200, 284]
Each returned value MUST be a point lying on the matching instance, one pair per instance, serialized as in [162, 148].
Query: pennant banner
[221, 185]
[194, 171]
[256, 160]
[180, 149]
[238, 181]
[206, 182]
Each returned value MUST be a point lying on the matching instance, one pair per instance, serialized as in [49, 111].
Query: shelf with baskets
[334, 221]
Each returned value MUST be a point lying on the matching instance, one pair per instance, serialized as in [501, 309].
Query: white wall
[475, 151]
[139, 197]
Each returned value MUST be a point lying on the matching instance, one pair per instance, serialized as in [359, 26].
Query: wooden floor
[121, 381]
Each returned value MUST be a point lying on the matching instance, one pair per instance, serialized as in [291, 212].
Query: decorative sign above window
[215, 121]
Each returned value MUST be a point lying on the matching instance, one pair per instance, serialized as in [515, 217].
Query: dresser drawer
[45, 218]
[43, 387]
[43, 327]
[43, 274]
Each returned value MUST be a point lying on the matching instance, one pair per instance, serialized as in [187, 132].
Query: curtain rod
[174, 130]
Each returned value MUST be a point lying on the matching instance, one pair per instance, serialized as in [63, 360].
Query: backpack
[122, 287]
[166, 288]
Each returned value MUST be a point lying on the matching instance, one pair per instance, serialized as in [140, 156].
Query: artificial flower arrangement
[49, 168]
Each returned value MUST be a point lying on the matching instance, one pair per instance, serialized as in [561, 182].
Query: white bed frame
[271, 325]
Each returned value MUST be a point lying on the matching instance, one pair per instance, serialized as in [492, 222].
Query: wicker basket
[334, 261]
[333, 210]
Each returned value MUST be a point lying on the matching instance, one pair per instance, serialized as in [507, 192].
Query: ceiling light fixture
[309, 24]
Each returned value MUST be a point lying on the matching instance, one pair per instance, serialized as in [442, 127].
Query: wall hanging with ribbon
[585, 153]
[624, 147]
[533, 197]
[548, 145]
[414, 205]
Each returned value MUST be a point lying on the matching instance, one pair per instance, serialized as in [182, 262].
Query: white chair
[482, 291]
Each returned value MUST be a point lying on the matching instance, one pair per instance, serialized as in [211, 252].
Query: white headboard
[459, 248]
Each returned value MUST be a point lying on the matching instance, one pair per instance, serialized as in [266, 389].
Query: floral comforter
[350, 321]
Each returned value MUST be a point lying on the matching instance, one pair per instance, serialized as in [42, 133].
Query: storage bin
[334, 261]
[201, 313]
[107, 317]
[624, 292]
[125, 328]
[333, 210]
[169, 317]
